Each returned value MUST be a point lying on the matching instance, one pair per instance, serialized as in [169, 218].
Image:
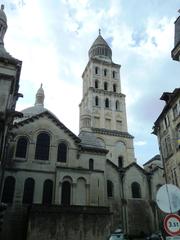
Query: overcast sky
[52, 38]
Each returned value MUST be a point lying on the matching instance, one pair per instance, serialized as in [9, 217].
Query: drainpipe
[123, 201]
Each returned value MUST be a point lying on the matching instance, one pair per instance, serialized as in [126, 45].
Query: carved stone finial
[2, 6]
[99, 31]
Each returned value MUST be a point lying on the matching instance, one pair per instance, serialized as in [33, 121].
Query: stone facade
[86, 185]
[103, 109]
[175, 53]
[10, 69]
[167, 129]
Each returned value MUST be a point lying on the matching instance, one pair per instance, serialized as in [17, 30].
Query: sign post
[172, 224]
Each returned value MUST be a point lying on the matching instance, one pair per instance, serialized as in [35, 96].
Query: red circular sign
[172, 224]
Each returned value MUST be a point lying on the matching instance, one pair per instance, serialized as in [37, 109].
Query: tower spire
[40, 97]
[100, 49]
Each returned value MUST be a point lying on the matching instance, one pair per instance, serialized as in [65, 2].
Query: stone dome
[100, 49]
[37, 108]
[31, 111]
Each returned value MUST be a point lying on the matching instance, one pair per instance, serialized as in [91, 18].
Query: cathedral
[61, 185]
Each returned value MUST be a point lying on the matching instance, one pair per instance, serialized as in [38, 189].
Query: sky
[52, 38]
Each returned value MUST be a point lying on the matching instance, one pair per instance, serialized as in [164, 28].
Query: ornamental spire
[40, 97]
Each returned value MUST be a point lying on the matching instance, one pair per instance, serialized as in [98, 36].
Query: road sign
[168, 198]
[172, 224]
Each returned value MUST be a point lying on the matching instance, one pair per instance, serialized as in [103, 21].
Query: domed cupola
[40, 96]
[100, 49]
[36, 109]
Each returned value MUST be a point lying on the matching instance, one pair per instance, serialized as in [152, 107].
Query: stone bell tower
[102, 109]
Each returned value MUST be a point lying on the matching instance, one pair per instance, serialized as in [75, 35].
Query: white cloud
[140, 143]
[160, 33]
[53, 38]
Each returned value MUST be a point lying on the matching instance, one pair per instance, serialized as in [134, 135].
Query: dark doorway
[66, 193]
[28, 194]
[8, 190]
[47, 192]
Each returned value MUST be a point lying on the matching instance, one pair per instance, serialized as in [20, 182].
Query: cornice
[110, 93]
[112, 132]
[93, 150]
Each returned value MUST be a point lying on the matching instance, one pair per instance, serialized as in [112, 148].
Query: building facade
[10, 69]
[84, 186]
[175, 53]
[167, 129]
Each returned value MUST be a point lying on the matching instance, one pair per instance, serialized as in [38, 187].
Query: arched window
[62, 152]
[42, 146]
[28, 194]
[109, 188]
[105, 72]
[107, 103]
[8, 190]
[114, 87]
[91, 164]
[136, 190]
[47, 192]
[114, 74]
[120, 162]
[105, 86]
[96, 101]
[81, 190]
[96, 70]
[21, 147]
[117, 105]
[66, 193]
[96, 84]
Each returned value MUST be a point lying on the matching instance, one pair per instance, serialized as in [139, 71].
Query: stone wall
[76, 222]
[15, 223]
[139, 217]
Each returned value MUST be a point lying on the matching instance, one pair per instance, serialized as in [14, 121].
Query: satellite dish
[168, 198]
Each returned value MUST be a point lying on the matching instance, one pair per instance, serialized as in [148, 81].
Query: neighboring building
[176, 50]
[155, 167]
[86, 185]
[167, 129]
[153, 163]
[10, 69]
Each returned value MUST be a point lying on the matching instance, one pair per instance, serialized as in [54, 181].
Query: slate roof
[155, 158]
[89, 141]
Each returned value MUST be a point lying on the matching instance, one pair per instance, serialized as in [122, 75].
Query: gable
[136, 167]
[44, 122]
